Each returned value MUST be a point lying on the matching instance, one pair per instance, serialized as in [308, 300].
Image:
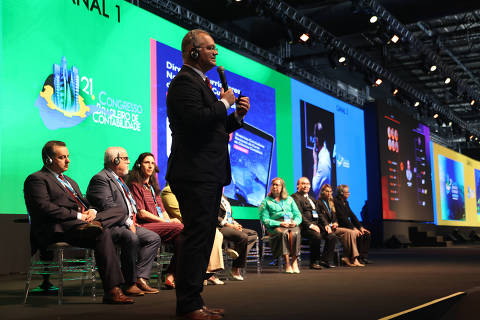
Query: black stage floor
[398, 280]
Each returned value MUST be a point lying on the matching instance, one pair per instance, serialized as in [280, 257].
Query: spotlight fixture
[447, 80]
[342, 59]
[471, 137]
[395, 91]
[373, 19]
[472, 102]
[450, 123]
[378, 82]
[304, 37]
[435, 116]
[433, 68]
[417, 103]
[394, 38]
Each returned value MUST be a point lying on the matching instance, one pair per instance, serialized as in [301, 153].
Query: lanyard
[69, 187]
[153, 195]
[328, 207]
[128, 195]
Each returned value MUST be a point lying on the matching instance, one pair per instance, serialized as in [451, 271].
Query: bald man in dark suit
[199, 164]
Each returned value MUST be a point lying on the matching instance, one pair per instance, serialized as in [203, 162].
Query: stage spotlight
[378, 82]
[373, 19]
[433, 68]
[447, 80]
[450, 123]
[394, 38]
[304, 37]
[471, 137]
[395, 91]
[472, 102]
[342, 59]
[417, 103]
[435, 116]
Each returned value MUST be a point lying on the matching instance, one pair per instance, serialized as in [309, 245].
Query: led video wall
[404, 149]
[95, 75]
[457, 179]
[328, 143]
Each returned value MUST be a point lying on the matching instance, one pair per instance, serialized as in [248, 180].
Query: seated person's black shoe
[327, 264]
[315, 265]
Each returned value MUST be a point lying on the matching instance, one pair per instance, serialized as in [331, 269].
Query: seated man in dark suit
[313, 227]
[139, 246]
[347, 219]
[243, 238]
[59, 213]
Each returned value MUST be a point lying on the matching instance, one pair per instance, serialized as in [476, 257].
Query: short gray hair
[110, 154]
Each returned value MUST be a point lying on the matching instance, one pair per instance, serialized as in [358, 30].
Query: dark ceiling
[444, 33]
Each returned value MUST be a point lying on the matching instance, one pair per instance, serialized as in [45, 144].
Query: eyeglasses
[210, 48]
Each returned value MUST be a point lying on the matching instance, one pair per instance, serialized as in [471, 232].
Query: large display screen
[85, 72]
[404, 149]
[457, 179]
[328, 143]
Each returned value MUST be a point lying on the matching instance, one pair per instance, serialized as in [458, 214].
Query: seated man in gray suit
[107, 189]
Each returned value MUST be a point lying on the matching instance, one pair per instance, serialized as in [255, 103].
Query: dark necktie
[72, 193]
[207, 81]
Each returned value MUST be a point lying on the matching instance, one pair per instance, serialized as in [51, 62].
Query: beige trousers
[216, 257]
[349, 241]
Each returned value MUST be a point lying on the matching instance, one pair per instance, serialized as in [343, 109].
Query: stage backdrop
[328, 143]
[87, 74]
[457, 179]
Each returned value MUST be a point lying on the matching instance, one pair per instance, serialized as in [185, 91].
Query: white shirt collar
[200, 73]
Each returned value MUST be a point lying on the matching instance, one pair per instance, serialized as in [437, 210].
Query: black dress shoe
[327, 265]
[315, 266]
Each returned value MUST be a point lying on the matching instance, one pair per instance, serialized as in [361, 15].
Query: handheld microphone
[223, 80]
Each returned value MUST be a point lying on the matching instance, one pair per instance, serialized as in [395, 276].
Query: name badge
[315, 214]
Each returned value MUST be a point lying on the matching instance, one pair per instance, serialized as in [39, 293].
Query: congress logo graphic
[60, 103]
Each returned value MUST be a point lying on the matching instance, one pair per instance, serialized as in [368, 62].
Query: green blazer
[272, 212]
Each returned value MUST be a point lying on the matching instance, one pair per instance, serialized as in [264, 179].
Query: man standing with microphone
[199, 164]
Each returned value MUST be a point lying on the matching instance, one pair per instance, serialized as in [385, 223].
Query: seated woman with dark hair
[328, 212]
[281, 217]
[151, 214]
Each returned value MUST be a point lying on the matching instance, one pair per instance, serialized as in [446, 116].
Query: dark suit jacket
[346, 217]
[306, 209]
[327, 217]
[200, 131]
[50, 207]
[104, 192]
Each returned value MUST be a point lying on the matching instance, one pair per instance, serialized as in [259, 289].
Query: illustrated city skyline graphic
[66, 87]
[60, 103]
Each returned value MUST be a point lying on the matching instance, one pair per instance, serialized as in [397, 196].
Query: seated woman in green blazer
[281, 217]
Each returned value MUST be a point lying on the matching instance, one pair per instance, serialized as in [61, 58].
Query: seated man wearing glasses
[139, 246]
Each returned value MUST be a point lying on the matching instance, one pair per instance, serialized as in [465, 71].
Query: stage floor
[398, 280]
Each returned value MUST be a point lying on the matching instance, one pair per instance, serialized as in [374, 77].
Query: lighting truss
[176, 11]
[284, 11]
